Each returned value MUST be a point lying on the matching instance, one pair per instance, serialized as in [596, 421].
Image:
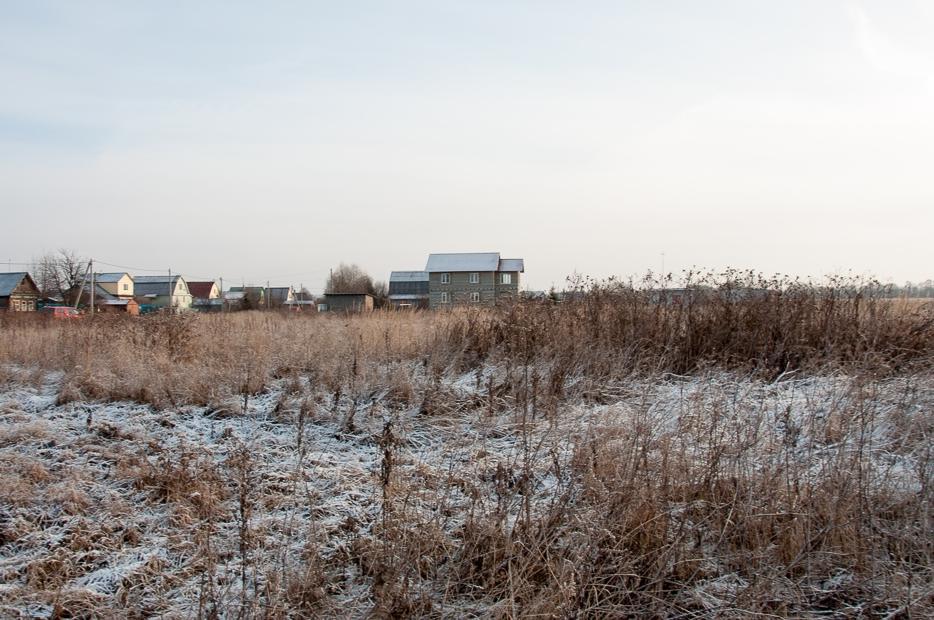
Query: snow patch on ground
[77, 515]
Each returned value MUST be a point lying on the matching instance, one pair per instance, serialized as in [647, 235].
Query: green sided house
[161, 292]
[472, 278]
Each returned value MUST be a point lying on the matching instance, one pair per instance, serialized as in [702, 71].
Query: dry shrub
[603, 332]
[606, 485]
[187, 480]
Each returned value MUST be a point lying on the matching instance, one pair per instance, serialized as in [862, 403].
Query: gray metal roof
[99, 292]
[512, 264]
[408, 276]
[108, 278]
[9, 281]
[154, 279]
[279, 293]
[468, 261]
[145, 286]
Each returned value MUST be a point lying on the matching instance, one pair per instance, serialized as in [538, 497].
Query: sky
[272, 141]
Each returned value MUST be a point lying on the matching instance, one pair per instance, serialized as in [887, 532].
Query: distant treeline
[910, 289]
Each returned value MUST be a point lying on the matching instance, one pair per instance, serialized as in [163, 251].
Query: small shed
[121, 306]
[347, 302]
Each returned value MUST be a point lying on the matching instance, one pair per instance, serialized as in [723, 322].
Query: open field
[607, 457]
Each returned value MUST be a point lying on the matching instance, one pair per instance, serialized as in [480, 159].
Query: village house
[254, 297]
[18, 292]
[103, 299]
[118, 285]
[280, 296]
[479, 278]
[233, 300]
[205, 296]
[153, 292]
[408, 289]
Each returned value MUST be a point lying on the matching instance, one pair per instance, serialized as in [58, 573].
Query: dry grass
[613, 456]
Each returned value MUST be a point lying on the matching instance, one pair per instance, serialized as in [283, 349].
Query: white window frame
[445, 297]
[445, 278]
[505, 278]
[474, 277]
[475, 297]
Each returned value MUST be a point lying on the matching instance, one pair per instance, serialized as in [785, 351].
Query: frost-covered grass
[729, 454]
[475, 495]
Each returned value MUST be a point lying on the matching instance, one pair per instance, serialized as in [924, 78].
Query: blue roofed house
[117, 284]
[18, 292]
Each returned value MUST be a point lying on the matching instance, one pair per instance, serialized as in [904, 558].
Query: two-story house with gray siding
[474, 278]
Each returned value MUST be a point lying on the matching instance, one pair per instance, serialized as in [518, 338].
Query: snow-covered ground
[110, 506]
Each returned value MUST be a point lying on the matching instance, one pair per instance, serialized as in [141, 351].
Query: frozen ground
[110, 506]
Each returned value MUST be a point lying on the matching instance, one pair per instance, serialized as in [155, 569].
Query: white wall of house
[121, 288]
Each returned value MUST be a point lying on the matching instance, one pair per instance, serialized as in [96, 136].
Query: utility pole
[91, 268]
[266, 296]
[170, 306]
[223, 301]
[663, 270]
[84, 281]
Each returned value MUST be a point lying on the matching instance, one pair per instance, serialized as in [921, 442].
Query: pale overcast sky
[273, 140]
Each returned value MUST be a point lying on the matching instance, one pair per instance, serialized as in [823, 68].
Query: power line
[130, 268]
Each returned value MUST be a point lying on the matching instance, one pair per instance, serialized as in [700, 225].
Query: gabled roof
[154, 279]
[109, 278]
[408, 276]
[147, 286]
[247, 289]
[201, 290]
[278, 293]
[99, 292]
[468, 261]
[9, 282]
[512, 264]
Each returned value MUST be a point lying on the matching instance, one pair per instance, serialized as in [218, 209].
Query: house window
[445, 278]
[475, 277]
[505, 278]
[445, 297]
[126, 287]
[475, 297]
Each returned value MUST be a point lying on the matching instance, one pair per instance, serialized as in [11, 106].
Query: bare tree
[380, 293]
[348, 279]
[58, 273]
